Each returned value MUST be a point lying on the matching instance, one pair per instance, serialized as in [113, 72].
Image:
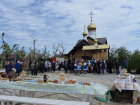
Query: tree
[122, 53]
[135, 61]
[58, 50]
[61, 49]
[45, 53]
[6, 48]
[113, 54]
[55, 49]
[21, 53]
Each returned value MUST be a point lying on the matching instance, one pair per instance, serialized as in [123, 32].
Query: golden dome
[95, 40]
[91, 26]
[84, 33]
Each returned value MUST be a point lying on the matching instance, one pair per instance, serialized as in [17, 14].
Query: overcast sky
[53, 21]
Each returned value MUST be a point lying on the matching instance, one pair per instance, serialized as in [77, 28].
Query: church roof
[79, 44]
[100, 40]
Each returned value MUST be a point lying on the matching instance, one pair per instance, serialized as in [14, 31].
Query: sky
[62, 21]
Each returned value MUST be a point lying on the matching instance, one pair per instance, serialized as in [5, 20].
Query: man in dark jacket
[66, 66]
[18, 67]
[125, 63]
[42, 67]
[103, 66]
[98, 65]
[117, 67]
[8, 68]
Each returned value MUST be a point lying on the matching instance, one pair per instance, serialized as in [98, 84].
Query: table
[90, 91]
[136, 90]
[126, 95]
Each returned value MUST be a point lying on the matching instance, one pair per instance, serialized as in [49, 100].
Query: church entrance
[87, 57]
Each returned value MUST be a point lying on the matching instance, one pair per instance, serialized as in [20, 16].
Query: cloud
[53, 21]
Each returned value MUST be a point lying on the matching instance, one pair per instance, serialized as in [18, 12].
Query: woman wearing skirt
[85, 67]
[78, 66]
[75, 68]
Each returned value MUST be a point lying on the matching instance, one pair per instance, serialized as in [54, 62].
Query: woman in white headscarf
[89, 66]
[85, 67]
[46, 66]
[75, 67]
[78, 66]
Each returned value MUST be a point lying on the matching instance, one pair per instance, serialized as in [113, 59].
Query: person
[93, 61]
[75, 68]
[81, 63]
[117, 67]
[66, 66]
[49, 66]
[60, 65]
[103, 66]
[24, 65]
[18, 67]
[10, 61]
[95, 68]
[32, 68]
[30, 62]
[89, 66]
[125, 63]
[46, 66]
[78, 66]
[8, 68]
[110, 66]
[42, 67]
[35, 68]
[37, 65]
[53, 66]
[85, 67]
[98, 65]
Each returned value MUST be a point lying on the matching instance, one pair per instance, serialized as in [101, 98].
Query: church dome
[84, 33]
[91, 26]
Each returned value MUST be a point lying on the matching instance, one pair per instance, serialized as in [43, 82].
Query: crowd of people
[92, 66]
[79, 66]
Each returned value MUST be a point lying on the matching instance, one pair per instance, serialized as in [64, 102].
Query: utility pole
[34, 45]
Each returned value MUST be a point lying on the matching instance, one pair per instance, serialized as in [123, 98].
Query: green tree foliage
[21, 53]
[6, 48]
[135, 61]
[122, 52]
[113, 54]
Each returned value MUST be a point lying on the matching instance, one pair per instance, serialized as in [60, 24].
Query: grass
[137, 77]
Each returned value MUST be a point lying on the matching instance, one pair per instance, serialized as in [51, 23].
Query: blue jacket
[18, 66]
[8, 67]
[117, 65]
[125, 63]
[66, 64]
[93, 61]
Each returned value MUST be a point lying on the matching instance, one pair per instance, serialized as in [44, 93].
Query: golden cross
[84, 27]
[91, 13]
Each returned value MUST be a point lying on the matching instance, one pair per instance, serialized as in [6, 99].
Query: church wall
[80, 53]
[103, 55]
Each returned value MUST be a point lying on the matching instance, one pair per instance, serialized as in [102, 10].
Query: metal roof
[100, 40]
[12, 56]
